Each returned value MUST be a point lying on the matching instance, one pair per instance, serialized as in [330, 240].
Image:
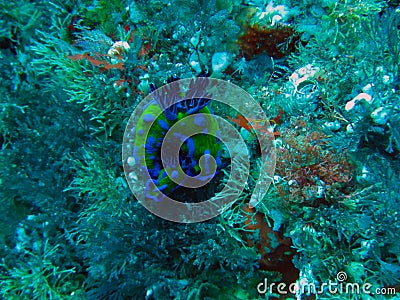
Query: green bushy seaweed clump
[35, 275]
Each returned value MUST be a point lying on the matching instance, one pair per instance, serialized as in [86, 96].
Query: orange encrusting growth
[250, 124]
[242, 122]
[257, 39]
[276, 251]
[101, 63]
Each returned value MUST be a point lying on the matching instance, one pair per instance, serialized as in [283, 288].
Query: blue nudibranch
[147, 149]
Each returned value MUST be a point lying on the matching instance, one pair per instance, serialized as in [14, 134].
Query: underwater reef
[326, 76]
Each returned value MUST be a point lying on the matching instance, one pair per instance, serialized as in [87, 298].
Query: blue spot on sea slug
[200, 120]
[148, 118]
